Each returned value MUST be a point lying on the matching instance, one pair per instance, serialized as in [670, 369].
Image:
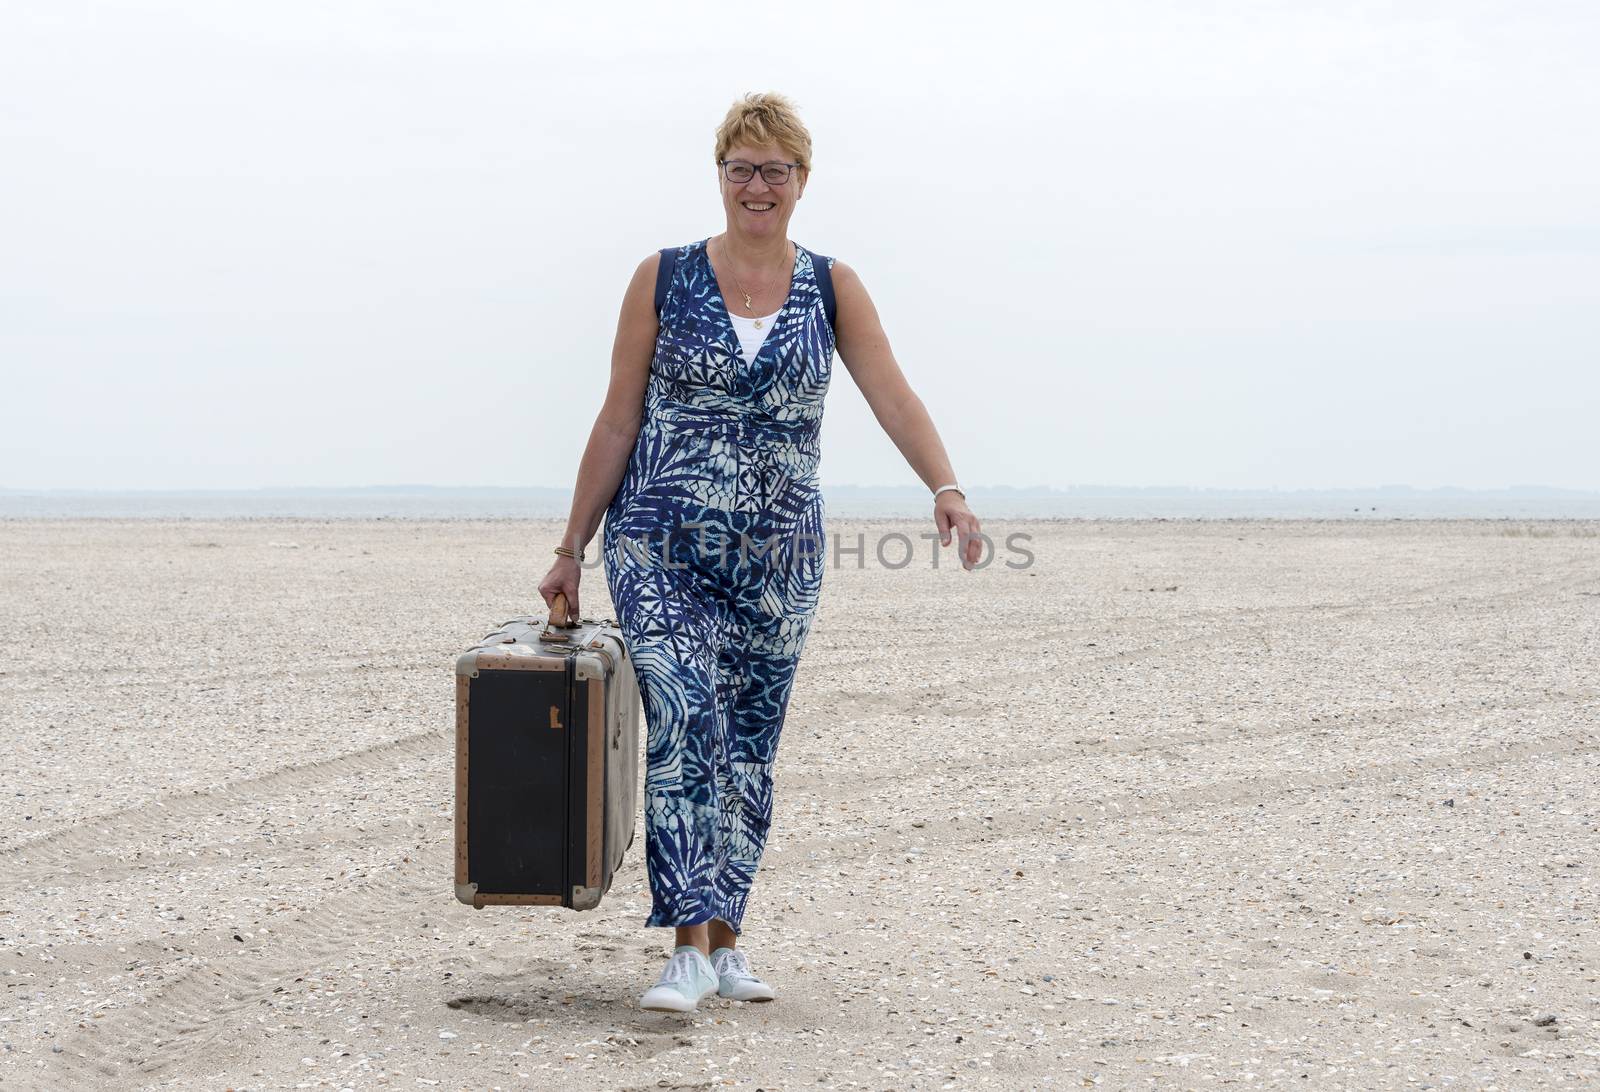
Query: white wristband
[952, 485]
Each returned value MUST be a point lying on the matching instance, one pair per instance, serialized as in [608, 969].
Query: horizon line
[996, 489]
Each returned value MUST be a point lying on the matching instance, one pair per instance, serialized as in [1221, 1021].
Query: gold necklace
[748, 306]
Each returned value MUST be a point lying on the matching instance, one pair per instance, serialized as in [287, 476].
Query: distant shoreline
[840, 503]
[1038, 491]
[432, 502]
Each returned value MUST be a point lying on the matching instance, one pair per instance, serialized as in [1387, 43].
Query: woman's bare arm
[864, 348]
[616, 428]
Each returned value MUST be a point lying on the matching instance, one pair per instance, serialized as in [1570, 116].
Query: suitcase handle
[559, 612]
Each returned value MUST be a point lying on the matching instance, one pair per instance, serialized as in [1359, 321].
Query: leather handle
[559, 612]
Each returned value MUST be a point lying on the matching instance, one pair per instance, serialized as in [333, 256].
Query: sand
[1176, 805]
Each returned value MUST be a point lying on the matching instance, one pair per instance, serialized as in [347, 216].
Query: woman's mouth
[759, 206]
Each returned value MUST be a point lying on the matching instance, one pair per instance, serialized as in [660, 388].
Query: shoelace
[680, 968]
[737, 965]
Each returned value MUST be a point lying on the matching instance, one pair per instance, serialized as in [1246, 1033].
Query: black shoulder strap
[669, 259]
[824, 275]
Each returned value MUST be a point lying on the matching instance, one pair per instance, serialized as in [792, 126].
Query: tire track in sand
[84, 845]
[191, 1010]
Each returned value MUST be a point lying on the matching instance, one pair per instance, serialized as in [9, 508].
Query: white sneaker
[735, 981]
[687, 979]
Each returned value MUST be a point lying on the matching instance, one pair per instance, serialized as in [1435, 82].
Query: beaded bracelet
[568, 551]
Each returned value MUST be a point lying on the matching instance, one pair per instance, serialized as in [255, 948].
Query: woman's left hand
[950, 512]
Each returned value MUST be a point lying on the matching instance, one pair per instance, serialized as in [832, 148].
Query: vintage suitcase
[547, 762]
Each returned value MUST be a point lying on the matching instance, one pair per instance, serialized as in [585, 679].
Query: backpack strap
[824, 275]
[669, 260]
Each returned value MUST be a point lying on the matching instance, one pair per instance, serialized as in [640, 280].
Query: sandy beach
[1165, 804]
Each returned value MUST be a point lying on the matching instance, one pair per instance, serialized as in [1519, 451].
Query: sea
[429, 502]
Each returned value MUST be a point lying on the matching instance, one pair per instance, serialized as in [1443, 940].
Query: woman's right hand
[563, 578]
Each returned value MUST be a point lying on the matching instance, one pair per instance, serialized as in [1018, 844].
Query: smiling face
[747, 203]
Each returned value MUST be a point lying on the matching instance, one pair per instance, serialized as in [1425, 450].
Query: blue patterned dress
[714, 551]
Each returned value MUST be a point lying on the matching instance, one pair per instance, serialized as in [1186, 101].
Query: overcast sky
[1258, 244]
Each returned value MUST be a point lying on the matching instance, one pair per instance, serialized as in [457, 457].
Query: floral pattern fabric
[714, 552]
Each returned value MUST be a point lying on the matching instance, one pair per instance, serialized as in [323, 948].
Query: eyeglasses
[773, 174]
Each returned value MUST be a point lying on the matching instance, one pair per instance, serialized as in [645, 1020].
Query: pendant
[747, 304]
[758, 324]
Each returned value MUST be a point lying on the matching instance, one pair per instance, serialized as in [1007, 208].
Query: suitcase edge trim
[463, 700]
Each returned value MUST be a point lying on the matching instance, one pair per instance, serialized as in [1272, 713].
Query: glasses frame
[758, 168]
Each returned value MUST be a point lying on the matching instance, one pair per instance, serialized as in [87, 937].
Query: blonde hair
[765, 117]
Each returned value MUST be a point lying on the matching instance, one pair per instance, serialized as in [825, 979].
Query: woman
[703, 461]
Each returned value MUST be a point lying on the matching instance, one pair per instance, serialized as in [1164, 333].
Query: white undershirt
[750, 338]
